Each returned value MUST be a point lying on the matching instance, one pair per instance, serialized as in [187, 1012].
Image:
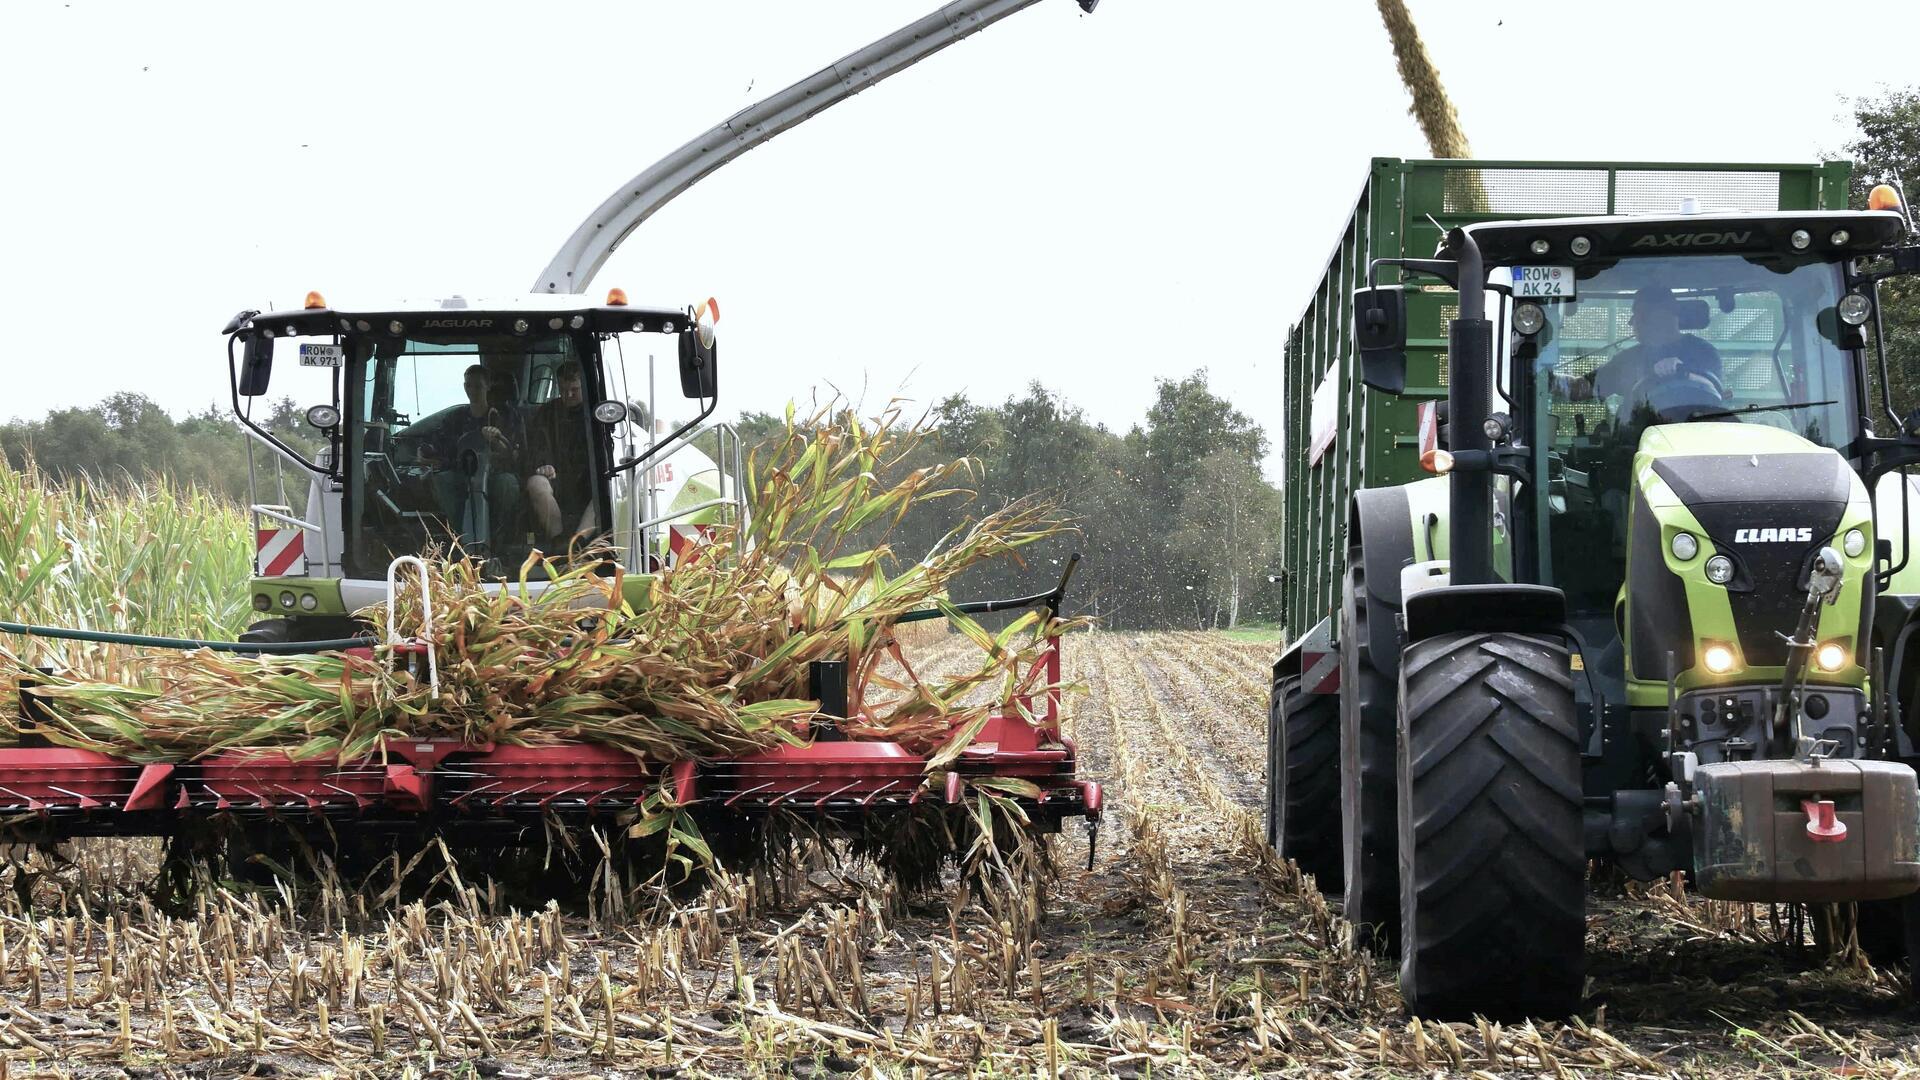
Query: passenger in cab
[560, 475]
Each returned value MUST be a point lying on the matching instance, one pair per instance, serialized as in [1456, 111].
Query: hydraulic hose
[108, 637]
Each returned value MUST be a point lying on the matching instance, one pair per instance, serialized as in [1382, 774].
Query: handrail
[426, 615]
[675, 515]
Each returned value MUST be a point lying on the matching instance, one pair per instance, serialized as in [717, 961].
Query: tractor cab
[1643, 353]
[494, 428]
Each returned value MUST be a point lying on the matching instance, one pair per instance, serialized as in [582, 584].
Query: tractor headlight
[286, 599]
[1853, 543]
[1831, 657]
[1580, 245]
[1719, 569]
[1529, 318]
[1718, 658]
[262, 602]
[308, 601]
[1854, 309]
[1684, 546]
[610, 412]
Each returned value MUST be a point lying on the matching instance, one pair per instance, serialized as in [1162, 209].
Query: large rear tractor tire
[1889, 933]
[1303, 780]
[1369, 838]
[1493, 861]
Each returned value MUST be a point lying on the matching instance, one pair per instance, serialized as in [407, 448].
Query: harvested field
[1185, 950]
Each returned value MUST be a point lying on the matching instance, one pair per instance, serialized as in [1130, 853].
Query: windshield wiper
[1744, 410]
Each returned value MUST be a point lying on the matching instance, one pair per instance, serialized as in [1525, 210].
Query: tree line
[1175, 523]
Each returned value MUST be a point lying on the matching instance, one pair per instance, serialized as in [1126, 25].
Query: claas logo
[1773, 536]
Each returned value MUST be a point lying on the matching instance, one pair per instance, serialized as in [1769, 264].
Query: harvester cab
[1646, 614]
[496, 428]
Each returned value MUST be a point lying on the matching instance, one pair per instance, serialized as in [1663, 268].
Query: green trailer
[1596, 549]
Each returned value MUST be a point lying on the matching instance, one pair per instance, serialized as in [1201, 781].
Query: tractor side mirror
[699, 364]
[1380, 333]
[256, 364]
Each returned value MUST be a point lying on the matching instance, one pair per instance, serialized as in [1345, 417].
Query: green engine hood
[1768, 500]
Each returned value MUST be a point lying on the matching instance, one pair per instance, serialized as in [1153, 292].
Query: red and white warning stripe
[1320, 672]
[280, 552]
[683, 539]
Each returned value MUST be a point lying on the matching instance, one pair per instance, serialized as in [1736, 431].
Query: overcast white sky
[1090, 201]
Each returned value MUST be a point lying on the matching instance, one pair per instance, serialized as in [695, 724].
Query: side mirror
[1380, 333]
[699, 364]
[256, 364]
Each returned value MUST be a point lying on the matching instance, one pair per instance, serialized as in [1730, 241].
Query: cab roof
[457, 314]
[1511, 243]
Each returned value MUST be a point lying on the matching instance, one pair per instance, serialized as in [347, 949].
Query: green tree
[1228, 522]
[1886, 150]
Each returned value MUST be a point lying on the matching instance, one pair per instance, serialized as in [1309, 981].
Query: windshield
[1647, 341]
[482, 444]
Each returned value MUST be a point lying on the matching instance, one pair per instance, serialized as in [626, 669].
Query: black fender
[1896, 628]
[1498, 608]
[1380, 532]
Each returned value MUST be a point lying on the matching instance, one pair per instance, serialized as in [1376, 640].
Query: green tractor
[1655, 610]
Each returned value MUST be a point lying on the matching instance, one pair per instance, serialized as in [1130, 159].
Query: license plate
[322, 355]
[1543, 281]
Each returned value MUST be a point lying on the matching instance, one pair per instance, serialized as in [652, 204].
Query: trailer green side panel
[1369, 439]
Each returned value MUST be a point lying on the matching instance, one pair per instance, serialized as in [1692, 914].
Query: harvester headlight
[1854, 543]
[324, 417]
[610, 412]
[1719, 569]
[1718, 658]
[520, 326]
[262, 602]
[1684, 546]
[1540, 247]
[1839, 238]
[286, 599]
[396, 327]
[1854, 309]
[362, 325]
[308, 601]
[1801, 239]
[556, 323]
[1580, 245]
[577, 321]
[1831, 657]
[1529, 318]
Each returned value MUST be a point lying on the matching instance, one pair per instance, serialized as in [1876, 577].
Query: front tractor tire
[1303, 780]
[1493, 861]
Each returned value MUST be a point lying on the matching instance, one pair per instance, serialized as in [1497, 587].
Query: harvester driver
[1663, 356]
[473, 454]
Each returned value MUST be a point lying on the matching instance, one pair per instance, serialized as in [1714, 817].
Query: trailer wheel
[1303, 780]
[1369, 838]
[1493, 893]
